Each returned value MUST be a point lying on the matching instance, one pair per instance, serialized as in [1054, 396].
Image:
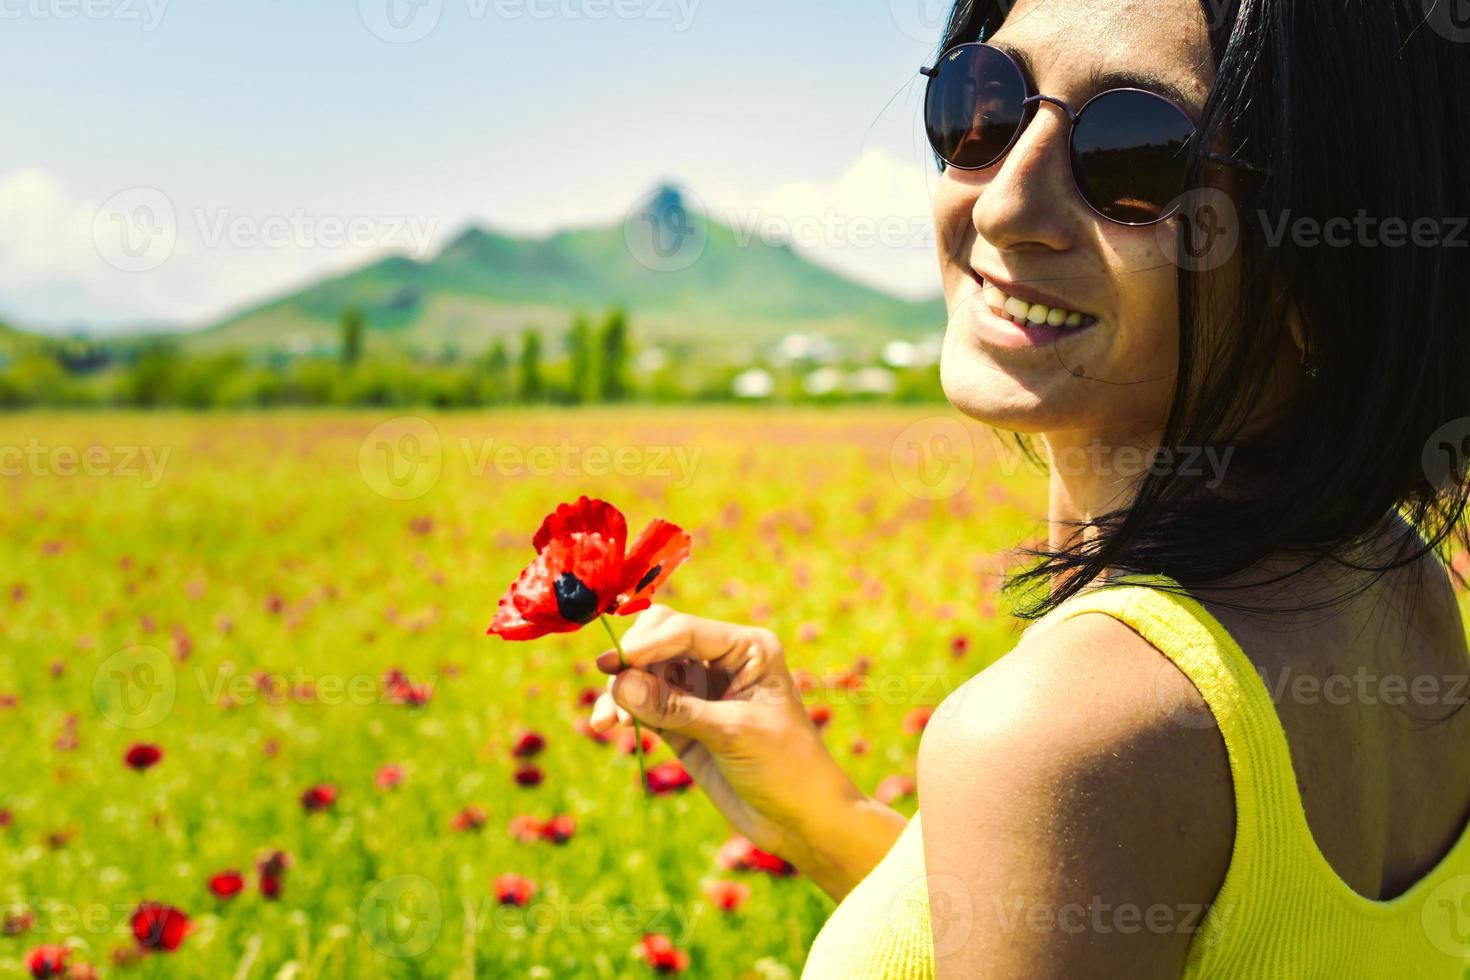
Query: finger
[707, 639]
[651, 700]
[604, 713]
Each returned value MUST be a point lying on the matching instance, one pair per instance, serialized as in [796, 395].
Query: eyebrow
[1101, 80]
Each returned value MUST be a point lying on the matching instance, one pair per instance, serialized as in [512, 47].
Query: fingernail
[634, 688]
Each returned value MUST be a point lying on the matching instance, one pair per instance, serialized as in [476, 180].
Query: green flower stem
[637, 728]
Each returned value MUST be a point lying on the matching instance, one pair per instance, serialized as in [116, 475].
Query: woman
[1234, 744]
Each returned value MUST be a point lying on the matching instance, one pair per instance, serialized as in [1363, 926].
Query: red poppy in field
[820, 714]
[739, 854]
[917, 720]
[669, 777]
[528, 744]
[528, 776]
[525, 828]
[629, 741]
[727, 896]
[582, 571]
[512, 889]
[389, 776]
[48, 961]
[272, 871]
[143, 756]
[659, 952]
[226, 884]
[959, 646]
[470, 818]
[322, 796]
[559, 829]
[894, 788]
[398, 689]
[160, 927]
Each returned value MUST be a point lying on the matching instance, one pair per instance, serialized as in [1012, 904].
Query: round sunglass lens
[975, 103]
[1128, 155]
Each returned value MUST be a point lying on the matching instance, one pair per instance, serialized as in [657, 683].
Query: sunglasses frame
[1034, 99]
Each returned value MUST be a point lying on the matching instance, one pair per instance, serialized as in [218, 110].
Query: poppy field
[253, 726]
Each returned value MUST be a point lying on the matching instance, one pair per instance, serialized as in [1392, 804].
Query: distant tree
[612, 366]
[352, 335]
[497, 374]
[531, 387]
[579, 348]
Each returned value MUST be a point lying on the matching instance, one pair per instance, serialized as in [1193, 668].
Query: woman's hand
[721, 696]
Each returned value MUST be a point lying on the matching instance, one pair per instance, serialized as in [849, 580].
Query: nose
[1028, 203]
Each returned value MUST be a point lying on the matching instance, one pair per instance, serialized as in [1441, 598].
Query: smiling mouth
[1035, 315]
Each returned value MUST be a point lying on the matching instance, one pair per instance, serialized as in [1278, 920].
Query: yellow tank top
[1282, 912]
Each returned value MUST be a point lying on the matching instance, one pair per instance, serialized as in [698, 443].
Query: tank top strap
[1267, 801]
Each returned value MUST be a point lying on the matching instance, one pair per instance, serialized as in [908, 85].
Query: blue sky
[252, 116]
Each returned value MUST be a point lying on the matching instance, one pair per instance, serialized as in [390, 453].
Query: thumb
[650, 699]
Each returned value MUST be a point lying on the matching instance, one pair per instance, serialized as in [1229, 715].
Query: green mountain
[699, 283]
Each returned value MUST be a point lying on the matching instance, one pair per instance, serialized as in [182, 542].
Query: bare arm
[1072, 827]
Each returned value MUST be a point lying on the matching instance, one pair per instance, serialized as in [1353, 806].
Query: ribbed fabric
[1282, 912]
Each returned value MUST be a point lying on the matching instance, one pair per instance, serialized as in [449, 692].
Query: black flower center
[575, 602]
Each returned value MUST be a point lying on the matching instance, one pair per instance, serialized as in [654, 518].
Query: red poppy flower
[559, 829]
[143, 756]
[398, 689]
[48, 961]
[917, 720]
[470, 818]
[512, 889]
[160, 927]
[727, 896]
[739, 854]
[528, 776]
[820, 714]
[658, 951]
[959, 646]
[320, 797]
[272, 871]
[525, 828]
[669, 777]
[388, 776]
[527, 744]
[894, 788]
[582, 571]
[226, 884]
[629, 739]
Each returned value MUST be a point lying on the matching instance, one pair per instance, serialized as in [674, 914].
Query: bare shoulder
[1082, 829]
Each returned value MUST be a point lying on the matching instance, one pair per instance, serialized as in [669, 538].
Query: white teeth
[1035, 314]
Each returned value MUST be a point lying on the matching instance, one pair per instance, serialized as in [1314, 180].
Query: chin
[995, 395]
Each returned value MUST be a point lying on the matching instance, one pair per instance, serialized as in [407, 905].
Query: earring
[1309, 368]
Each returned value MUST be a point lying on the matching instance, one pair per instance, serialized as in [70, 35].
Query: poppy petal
[661, 548]
[583, 517]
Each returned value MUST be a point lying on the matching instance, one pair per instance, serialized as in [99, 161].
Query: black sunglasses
[1129, 147]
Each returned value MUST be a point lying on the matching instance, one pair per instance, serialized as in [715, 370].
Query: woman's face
[1021, 224]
